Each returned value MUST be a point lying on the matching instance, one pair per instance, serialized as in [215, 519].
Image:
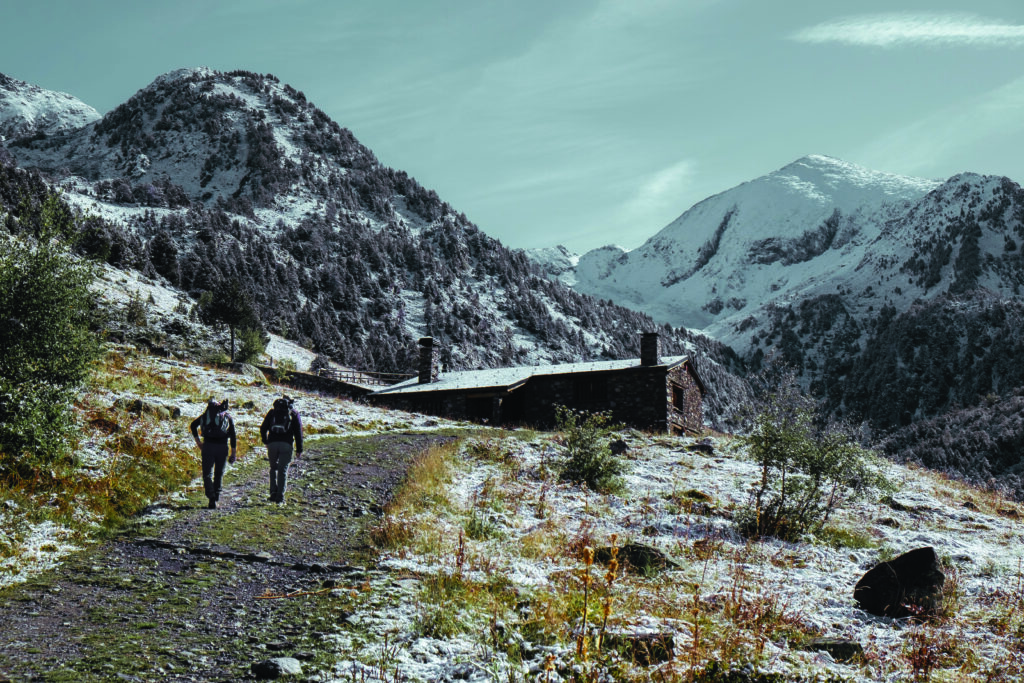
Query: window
[678, 397]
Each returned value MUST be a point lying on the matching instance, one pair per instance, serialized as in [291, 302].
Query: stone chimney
[428, 360]
[650, 348]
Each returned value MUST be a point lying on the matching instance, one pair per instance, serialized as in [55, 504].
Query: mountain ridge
[27, 110]
[215, 176]
[826, 265]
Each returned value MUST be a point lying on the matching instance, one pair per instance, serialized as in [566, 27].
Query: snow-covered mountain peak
[27, 110]
[814, 228]
[844, 183]
[236, 137]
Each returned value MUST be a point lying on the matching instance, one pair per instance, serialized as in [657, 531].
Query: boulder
[704, 447]
[276, 668]
[251, 373]
[642, 558]
[908, 585]
[139, 407]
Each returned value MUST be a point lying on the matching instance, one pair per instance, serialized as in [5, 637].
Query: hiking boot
[212, 505]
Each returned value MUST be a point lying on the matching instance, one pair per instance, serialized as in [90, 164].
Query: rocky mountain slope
[207, 179]
[27, 110]
[845, 272]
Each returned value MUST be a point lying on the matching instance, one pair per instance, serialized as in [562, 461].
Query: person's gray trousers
[280, 455]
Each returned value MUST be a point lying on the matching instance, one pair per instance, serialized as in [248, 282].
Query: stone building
[649, 393]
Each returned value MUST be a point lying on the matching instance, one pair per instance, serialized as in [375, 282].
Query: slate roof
[509, 378]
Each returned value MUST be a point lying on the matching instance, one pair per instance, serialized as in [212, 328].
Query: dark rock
[618, 447]
[642, 558]
[704, 447]
[105, 425]
[280, 646]
[257, 557]
[841, 649]
[642, 648]
[904, 507]
[276, 668]
[139, 407]
[909, 585]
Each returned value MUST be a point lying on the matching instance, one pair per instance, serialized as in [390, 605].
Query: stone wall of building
[451, 404]
[685, 401]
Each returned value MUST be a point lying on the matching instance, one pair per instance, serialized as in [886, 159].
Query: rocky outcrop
[907, 586]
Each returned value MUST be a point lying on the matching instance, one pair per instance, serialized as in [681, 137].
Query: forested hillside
[235, 182]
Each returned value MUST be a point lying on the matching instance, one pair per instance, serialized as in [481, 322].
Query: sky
[582, 122]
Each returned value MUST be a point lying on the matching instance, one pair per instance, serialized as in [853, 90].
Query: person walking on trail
[218, 428]
[280, 428]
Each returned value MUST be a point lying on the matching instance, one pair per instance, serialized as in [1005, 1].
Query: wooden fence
[376, 379]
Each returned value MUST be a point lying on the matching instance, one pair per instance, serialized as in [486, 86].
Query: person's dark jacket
[294, 429]
[197, 423]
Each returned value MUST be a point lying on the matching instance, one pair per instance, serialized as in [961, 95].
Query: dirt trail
[180, 600]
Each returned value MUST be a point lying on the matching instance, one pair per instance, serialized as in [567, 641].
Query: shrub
[806, 470]
[46, 348]
[252, 346]
[285, 368]
[590, 461]
[136, 310]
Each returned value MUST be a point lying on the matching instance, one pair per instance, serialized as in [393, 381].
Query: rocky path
[187, 598]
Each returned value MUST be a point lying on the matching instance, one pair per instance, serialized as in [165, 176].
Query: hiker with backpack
[218, 428]
[281, 426]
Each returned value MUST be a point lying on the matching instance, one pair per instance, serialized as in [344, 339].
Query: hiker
[280, 427]
[218, 427]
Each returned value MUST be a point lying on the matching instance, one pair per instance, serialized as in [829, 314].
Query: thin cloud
[891, 30]
[934, 140]
[659, 197]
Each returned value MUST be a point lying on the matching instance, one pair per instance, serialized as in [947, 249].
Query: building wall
[634, 397]
[685, 401]
[639, 397]
[451, 404]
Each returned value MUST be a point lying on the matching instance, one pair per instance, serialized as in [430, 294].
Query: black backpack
[282, 417]
[216, 425]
